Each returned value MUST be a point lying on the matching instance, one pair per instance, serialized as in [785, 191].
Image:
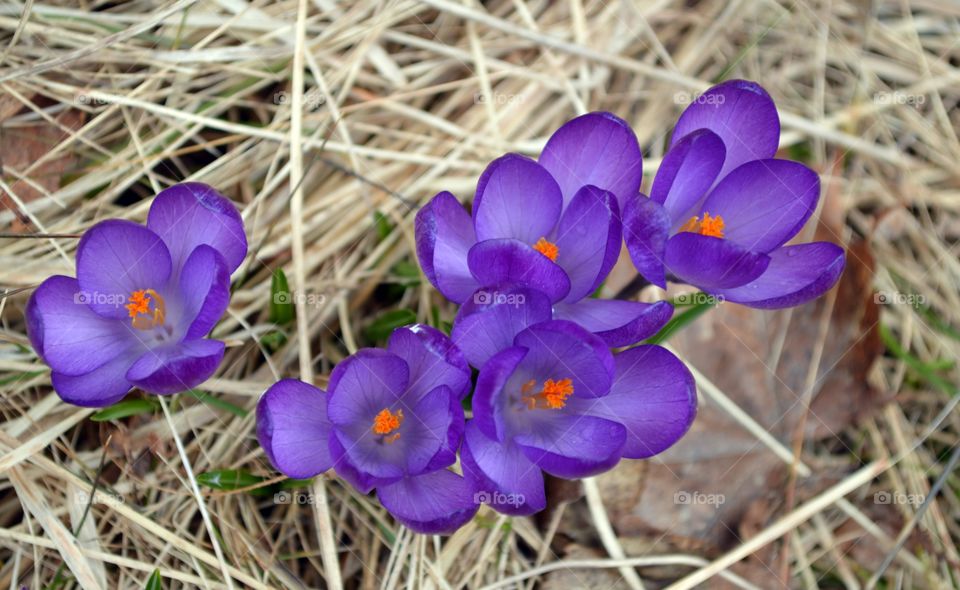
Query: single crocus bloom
[392, 421]
[721, 208]
[558, 401]
[143, 301]
[552, 225]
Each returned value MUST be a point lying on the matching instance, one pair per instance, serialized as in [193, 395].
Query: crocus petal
[559, 349]
[599, 149]
[687, 172]
[712, 263]
[176, 367]
[510, 262]
[445, 234]
[345, 468]
[516, 198]
[68, 335]
[116, 258]
[617, 322]
[588, 240]
[103, 386]
[796, 275]
[646, 228]
[432, 359]
[742, 114]
[653, 396]
[573, 446]
[431, 432]
[764, 203]
[447, 454]
[501, 475]
[436, 503]
[189, 214]
[204, 292]
[487, 403]
[489, 321]
[363, 384]
[293, 429]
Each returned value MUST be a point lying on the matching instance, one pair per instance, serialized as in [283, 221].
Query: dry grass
[313, 116]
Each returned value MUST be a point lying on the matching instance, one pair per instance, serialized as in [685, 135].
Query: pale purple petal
[764, 203]
[189, 214]
[617, 322]
[742, 114]
[432, 359]
[204, 292]
[796, 275]
[501, 475]
[573, 446]
[712, 263]
[516, 198]
[293, 430]
[436, 503]
[488, 322]
[559, 350]
[103, 386]
[364, 384]
[176, 367]
[687, 172]
[588, 240]
[116, 258]
[646, 228]
[444, 233]
[599, 149]
[509, 262]
[488, 403]
[361, 480]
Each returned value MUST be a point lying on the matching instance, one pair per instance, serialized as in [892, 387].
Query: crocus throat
[385, 424]
[147, 309]
[707, 226]
[553, 396]
[548, 249]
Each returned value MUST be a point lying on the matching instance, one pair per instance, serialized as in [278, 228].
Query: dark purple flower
[721, 207]
[143, 301]
[552, 225]
[392, 421]
[556, 400]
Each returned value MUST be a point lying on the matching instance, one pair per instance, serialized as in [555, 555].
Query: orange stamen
[708, 226]
[139, 308]
[548, 249]
[387, 422]
[553, 396]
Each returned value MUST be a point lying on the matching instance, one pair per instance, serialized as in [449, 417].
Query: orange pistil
[708, 226]
[147, 309]
[386, 422]
[548, 249]
[553, 396]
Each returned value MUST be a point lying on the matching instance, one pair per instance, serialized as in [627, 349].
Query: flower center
[387, 422]
[707, 226]
[548, 249]
[147, 309]
[553, 396]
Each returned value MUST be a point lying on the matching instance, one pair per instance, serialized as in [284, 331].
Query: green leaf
[679, 321]
[212, 400]
[281, 299]
[384, 227]
[229, 479]
[126, 408]
[154, 581]
[384, 325]
[924, 370]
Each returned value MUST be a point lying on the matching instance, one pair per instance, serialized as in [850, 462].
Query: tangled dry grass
[328, 122]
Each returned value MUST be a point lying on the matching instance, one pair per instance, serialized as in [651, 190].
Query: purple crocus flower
[552, 225]
[392, 421]
[558, 401]
[721, 207]
[143, 301]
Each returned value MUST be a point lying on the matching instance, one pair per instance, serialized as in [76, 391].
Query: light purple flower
[553, 226]
[557, 401]
[144, 299]
[392, 421]
[721, 207]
